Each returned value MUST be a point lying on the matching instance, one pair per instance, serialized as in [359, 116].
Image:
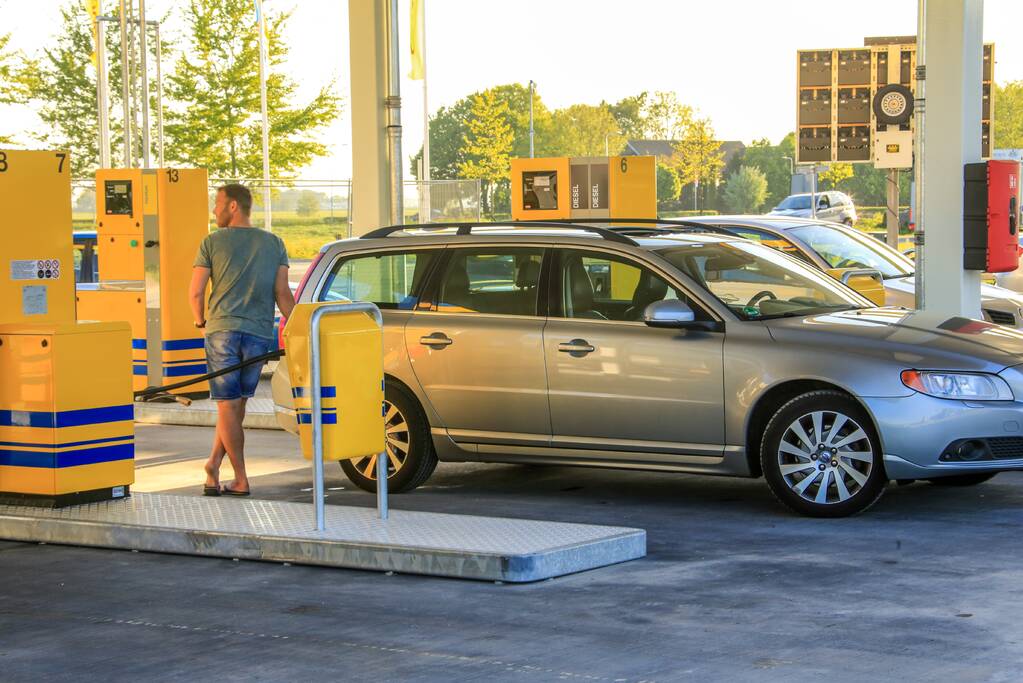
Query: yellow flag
[93, 8]
[417, 40]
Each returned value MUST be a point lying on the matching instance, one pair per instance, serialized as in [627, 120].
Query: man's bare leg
[229, 430]
[212, 466]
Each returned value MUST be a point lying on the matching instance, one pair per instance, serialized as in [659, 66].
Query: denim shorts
[224, 349]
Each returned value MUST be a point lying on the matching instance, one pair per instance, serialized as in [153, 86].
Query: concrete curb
[174, 414]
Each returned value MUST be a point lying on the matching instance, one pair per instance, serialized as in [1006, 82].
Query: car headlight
[963, 386]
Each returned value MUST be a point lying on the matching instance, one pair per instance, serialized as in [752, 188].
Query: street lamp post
[532, 89]
[607, 152]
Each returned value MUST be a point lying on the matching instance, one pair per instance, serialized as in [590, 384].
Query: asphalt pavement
[926, 586]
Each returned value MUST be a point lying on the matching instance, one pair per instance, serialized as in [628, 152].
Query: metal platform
[460, 546]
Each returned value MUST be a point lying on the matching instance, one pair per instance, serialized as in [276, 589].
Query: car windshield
[844, 248]
[796, 201]
[759, 283]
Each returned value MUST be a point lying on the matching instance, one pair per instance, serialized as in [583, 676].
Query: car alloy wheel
[410, 455]
[825, 457]
[396, 434]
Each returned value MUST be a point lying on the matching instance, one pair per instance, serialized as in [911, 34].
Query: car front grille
[1000, 317]
[1006, 447]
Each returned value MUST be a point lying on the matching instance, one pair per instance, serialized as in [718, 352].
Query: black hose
[153, 391]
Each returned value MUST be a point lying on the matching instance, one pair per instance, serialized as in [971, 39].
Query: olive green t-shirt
[243, 265]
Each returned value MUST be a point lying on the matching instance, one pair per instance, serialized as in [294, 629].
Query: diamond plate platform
[460, 546]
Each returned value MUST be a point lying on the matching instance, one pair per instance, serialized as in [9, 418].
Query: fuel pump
[149, 225]
[584, 187]
[66, 416]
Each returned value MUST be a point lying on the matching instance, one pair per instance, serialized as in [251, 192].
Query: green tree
[447, 133]
[1008, 104]
[12, 85]
[308, 203]
[629, 114]
[698, 158]
[448, 130]
[665, 118]
[771, 160]
[835, 175]
[868, 185]
[668, 186]
[9, 83]
[215, 120]
[746, 190]
[581, 130]
[487, 145]
[61, 85]
[516, 97]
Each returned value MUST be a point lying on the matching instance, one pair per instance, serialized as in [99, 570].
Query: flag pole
[426, 115]
[267, 213]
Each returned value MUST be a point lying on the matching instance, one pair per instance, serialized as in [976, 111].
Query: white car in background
[832, 206]
[1013, 279]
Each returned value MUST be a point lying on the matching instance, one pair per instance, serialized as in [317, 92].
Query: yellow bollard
[352, 382]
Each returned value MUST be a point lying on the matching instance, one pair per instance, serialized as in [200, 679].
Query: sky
[732, 60]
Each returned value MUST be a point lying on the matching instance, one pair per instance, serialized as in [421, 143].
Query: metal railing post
[382, 484]
[125, 81]
[316, 406]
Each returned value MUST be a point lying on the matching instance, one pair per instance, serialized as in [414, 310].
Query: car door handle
[576, 347]
[437, 339]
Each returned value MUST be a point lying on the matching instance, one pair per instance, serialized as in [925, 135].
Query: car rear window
[391, 281]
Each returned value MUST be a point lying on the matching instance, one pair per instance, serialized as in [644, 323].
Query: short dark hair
[239, 193]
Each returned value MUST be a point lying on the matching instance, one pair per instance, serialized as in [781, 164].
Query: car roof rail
[657, 225]
[465, 228]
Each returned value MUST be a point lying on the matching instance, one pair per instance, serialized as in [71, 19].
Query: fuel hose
[156, 391]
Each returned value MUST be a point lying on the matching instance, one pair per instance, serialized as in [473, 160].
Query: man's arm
[197, 293]
[282, 292]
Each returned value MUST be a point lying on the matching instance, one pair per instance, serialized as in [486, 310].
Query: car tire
[848, 222]
[410, 449]
[823, 439]
[963, 479]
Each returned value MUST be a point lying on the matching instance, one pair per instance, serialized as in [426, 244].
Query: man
[248, 269]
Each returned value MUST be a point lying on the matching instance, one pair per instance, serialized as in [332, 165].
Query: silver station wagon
[651, 348]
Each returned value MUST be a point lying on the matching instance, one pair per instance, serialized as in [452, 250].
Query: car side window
[600, 286]
[496, 280]
[824, 202]
[392, 281]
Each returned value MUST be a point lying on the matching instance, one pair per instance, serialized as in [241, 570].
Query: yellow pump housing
[149, 224]
[584, 187]
[352, 376]
[66, 414]
[37, 284]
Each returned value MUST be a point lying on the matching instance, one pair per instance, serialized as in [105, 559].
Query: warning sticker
[35, 269]
[33, 300]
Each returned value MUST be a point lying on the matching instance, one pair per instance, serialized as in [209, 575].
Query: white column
[370, 193]
[954, 58]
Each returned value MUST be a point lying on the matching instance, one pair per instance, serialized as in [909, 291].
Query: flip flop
[233, 492]
[210, 490]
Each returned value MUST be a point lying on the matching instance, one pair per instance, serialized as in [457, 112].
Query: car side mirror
[669, 313]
